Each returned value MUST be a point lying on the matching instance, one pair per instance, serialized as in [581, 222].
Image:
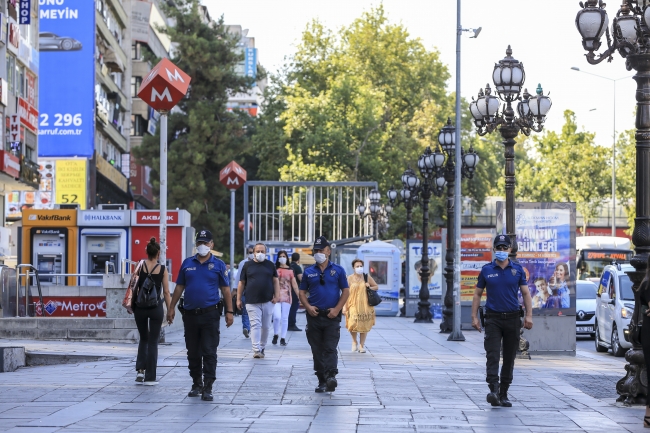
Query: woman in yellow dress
[359, 316]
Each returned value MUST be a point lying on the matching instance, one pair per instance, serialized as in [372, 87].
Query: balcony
[29, 173]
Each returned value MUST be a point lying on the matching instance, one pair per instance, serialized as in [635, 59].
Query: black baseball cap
[502, 240]
[320, 243]
[203, 236]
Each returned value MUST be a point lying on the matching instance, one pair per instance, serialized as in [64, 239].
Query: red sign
[28, 114]
[232, 176]
[14, 128]
[153, 217]
[31, 89]
[164, 87]
[139, 180]
[9, 164]
[71, 306]
[598, 255]
[14, 35]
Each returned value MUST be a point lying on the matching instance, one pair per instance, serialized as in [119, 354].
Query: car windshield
[586, 291]
[625, 286]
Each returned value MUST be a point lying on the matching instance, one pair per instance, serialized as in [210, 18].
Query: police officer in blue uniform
[327, 286]
[502, 279]
[201, 277]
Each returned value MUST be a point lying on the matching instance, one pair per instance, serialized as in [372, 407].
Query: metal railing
[38, 284]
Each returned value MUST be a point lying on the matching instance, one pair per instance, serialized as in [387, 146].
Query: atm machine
[103, 237]
[49, 243]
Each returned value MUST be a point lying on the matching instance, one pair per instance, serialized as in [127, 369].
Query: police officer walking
[503, 279]
[328, 290]
[201, 277]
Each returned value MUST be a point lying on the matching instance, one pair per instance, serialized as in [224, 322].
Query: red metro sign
[165, 86]
[232, 176]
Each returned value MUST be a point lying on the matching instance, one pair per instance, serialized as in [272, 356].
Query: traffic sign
[165, 86]
[232, 176]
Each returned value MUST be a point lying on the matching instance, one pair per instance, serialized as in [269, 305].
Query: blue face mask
[501, 255]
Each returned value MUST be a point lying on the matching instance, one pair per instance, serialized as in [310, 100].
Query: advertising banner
[475, 252]
[67, 99]
[70, 306]
[547, 252]
[414, 263]
[250, 62]
[70, 182]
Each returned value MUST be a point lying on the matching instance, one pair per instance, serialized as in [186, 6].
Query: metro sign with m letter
[232, 176]
[164, 87]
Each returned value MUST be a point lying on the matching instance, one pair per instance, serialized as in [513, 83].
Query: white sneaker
[150, 383]
[355, 347]
[140, 376]
[362, 349]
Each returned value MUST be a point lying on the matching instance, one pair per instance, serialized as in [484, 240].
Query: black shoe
[331, 384]
[283, 342]
[207, 394]
[245, 332]
[196, 391]
[275, 339]
[493, 395]
[321, 387]
[294, 328]
[503, 398]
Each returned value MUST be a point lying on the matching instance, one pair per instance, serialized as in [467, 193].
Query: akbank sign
[67, 78]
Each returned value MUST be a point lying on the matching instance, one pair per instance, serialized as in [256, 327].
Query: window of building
[11, 73]
[135, 85]
[136, 52]
[21, 76]
[29, 154]
[138, 125]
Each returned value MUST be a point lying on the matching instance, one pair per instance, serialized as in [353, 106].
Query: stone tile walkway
[410, 380]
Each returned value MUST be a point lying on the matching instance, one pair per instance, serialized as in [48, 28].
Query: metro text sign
[232, 176]
[165, 86]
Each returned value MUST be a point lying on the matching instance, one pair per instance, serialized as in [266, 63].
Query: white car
[586, 294]
[614, 309]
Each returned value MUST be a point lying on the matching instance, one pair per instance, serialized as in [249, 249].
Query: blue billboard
[250, 62]
[67, 78]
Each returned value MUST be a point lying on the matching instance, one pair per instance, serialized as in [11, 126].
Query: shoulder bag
[147, 293]
[373, 297]
[127, 302]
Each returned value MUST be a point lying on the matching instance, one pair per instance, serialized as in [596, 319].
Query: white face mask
[203, 250]
[260, 257]
[358, 270]
[320, 258]
[251, 256]
[282, 260]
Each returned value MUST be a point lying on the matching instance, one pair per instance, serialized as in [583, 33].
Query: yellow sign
[70, 183]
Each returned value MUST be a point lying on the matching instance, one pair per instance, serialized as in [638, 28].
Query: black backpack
[147, 296]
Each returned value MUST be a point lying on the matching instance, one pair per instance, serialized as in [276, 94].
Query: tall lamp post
[405, 196]
[509, 77]
[630, 37]
[447, 140]
[375, 210]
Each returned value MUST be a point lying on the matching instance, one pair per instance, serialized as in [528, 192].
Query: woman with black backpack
[153, 285]
[359, 314]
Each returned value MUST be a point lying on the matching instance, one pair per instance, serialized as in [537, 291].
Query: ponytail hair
[153, 248]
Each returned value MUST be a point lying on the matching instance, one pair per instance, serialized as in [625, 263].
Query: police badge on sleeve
[332, 272]
[210, 266]
[514, 271]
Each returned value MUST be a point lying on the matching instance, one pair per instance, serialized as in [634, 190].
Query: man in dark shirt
[502, 279]
[201, 277]
[295, 302]
[258, 281]
[328, 290]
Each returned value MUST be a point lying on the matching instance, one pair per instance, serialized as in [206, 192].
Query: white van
[614, 309]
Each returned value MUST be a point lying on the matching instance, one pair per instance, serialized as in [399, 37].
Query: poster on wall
[414, 263]
[67, 108]
[547, 252]
[475, 252]
[70, 182]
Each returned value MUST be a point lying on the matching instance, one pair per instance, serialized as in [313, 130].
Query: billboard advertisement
[414, 263]
[547, 252]
[67, 79]
[70, 182]
[475, 252]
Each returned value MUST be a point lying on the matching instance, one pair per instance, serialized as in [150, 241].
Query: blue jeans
[245, 323]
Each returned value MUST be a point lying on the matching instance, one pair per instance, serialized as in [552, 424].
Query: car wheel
[599, 348]
[67, 44]
[617, 350]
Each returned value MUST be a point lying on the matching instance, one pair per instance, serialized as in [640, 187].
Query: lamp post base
[524, 345]
[456, 336]
[424, 313]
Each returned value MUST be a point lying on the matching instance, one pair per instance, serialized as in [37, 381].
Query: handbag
[373, 297]
[127, 302]
[147, 296]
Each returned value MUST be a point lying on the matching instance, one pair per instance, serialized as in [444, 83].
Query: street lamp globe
[361, 210]
[410, 181]
[374, 196]
[508, 76]
[625, 27]
[591, 22]
[447, 137]
[391, 194]
[426, 163]
[487, 105]
[441, 182]
[539, 104]
[405, 193]
[388, 208]
[523, 107]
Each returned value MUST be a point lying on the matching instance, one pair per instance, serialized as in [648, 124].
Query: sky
[542, 34]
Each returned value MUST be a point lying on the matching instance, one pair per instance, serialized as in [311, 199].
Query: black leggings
[149, 322]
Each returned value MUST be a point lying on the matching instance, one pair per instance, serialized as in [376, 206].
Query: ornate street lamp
[375, 210]
[630, 36]
[447, 140]
[509, 77]
[405, 196]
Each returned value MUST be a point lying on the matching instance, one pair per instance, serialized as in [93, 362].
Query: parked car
[586, 294]
[614, 309]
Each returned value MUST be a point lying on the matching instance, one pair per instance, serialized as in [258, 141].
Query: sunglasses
[501, 248]
[322, 280]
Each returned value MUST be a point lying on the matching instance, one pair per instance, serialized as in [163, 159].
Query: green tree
[202, 136]
[626, 175]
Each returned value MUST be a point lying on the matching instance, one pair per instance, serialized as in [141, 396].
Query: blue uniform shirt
[502, 286]
[202, 281]
[324, 296]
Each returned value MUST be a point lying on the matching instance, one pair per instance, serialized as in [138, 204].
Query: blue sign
[67, 79]
[250, 62]
[25, 12]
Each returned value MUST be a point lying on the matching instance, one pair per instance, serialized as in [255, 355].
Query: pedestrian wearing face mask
[258, 281]
[502, 279]
[245, 322]
[287, 288]
[201, 277]
[328, 290]
[359, 316]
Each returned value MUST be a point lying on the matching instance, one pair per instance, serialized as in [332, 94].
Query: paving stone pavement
[410, 380]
